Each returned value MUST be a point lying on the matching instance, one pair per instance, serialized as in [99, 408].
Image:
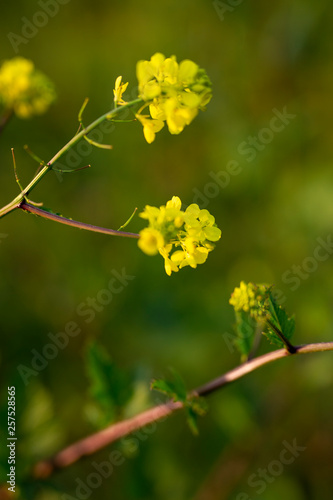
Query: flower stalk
[16, 203]
[172, 93]
[27, 207]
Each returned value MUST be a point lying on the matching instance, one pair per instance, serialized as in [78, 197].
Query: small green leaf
[195, 407]
[198, 405]
[280, 319]
[192, 420]
[164, 387]
[175, 388]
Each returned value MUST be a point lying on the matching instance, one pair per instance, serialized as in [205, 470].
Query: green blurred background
[261, 56]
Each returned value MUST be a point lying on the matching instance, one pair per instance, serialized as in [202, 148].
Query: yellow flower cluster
[251, 298]
[183, 238]
[23, 89]
[174, 93]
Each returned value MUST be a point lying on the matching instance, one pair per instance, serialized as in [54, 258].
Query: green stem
[27, 207]
[16, 203]
[89, 128]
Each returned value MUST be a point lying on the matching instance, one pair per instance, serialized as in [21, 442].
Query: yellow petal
[175, 202]
[187, 71]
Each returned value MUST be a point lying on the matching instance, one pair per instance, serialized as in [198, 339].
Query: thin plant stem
[27, 207]
[107, 116]
[100, 439]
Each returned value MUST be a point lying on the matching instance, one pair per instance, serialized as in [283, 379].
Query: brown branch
[100, 439]
[116, 431]
[27, 207]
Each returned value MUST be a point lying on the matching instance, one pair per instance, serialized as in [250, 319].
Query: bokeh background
[260, 56]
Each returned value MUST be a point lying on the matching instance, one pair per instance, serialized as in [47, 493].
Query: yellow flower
[177, 116]
[157, 71]
[150, 127]
[250, 298]
[197, 255]
[174, 92]
[182, 238]
[169, 265]
[157, 111]
[200, 224]
[119, 90]
[150, 241]
[23, 89]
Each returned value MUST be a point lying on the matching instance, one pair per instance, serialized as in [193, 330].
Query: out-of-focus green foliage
[259, 159]
[110, 389]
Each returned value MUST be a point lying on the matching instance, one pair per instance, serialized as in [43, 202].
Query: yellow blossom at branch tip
[174, 92]
[183, 238]
[250, 298]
